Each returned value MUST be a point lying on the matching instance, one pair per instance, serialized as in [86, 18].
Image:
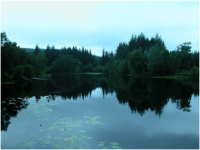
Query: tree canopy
[139, 57]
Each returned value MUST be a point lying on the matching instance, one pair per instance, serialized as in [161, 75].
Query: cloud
[70, 10]
[99, 24]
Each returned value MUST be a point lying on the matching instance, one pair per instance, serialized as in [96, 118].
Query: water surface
[100, 111]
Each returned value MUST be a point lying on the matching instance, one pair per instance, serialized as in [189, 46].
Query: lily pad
[115, 147]
[114, 143]
[62, 129]
[80, 147]
[57, 137]
[47, 142]
[101, 144]
[33, 134]
[58, 146]
[50, 128]
[70, 148]
[69, 129]
[47, 137]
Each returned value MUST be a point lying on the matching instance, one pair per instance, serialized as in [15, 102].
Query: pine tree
[37, 50]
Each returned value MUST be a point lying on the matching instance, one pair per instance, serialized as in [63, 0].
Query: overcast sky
[98, 25]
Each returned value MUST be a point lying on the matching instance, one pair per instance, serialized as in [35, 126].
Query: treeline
[70, 60]
[19, 65]
[139, 57]
[144, 57]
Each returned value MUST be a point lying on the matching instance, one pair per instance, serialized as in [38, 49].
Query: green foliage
[51, 54]
[17, 64]
[116, 67]
[186, 56]
[62, 64]
[141, 57]
[105, 69]
[37, 50]
[18, 76]
[5, 76]
[30, 59]
[8, 57]
[109, 68]
[154, 60]
[136, 62]
[65, 64]
[3, 38]
[183, 73]
[195, 58]
[132, 43]
[78, 69]
[175, 61]
[40, 63]
[123, 67]
[194, 73]
[158, 59]
[150, 69]
[185, 47]
[98, 69]
[28, 71]
[105, 58]
[88, 68]
[121, 51]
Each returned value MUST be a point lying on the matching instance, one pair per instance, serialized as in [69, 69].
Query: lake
[100, 111]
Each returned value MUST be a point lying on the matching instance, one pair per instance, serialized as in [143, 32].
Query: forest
[141, 57]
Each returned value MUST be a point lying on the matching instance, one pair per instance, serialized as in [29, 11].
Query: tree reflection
[153, 94]
[140, 94]
[10, 108]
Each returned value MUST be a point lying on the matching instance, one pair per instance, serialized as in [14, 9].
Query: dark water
[100, 111]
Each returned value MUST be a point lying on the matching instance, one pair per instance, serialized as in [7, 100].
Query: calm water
[100, 111]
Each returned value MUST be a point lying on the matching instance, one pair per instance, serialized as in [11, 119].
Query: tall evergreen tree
[48, 54]
[132, 43]
[37, 50]
[103, 57]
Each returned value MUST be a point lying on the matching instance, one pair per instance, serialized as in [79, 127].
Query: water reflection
[141, 95]
[10, 108]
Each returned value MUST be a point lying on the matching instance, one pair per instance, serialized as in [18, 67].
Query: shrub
[28, 71]
[194, 73]
[18, 76]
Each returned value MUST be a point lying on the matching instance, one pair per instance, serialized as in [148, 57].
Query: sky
[99, 24]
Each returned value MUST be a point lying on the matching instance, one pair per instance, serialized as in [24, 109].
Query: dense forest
[20, 65]
[144, 57]
[139, 57]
